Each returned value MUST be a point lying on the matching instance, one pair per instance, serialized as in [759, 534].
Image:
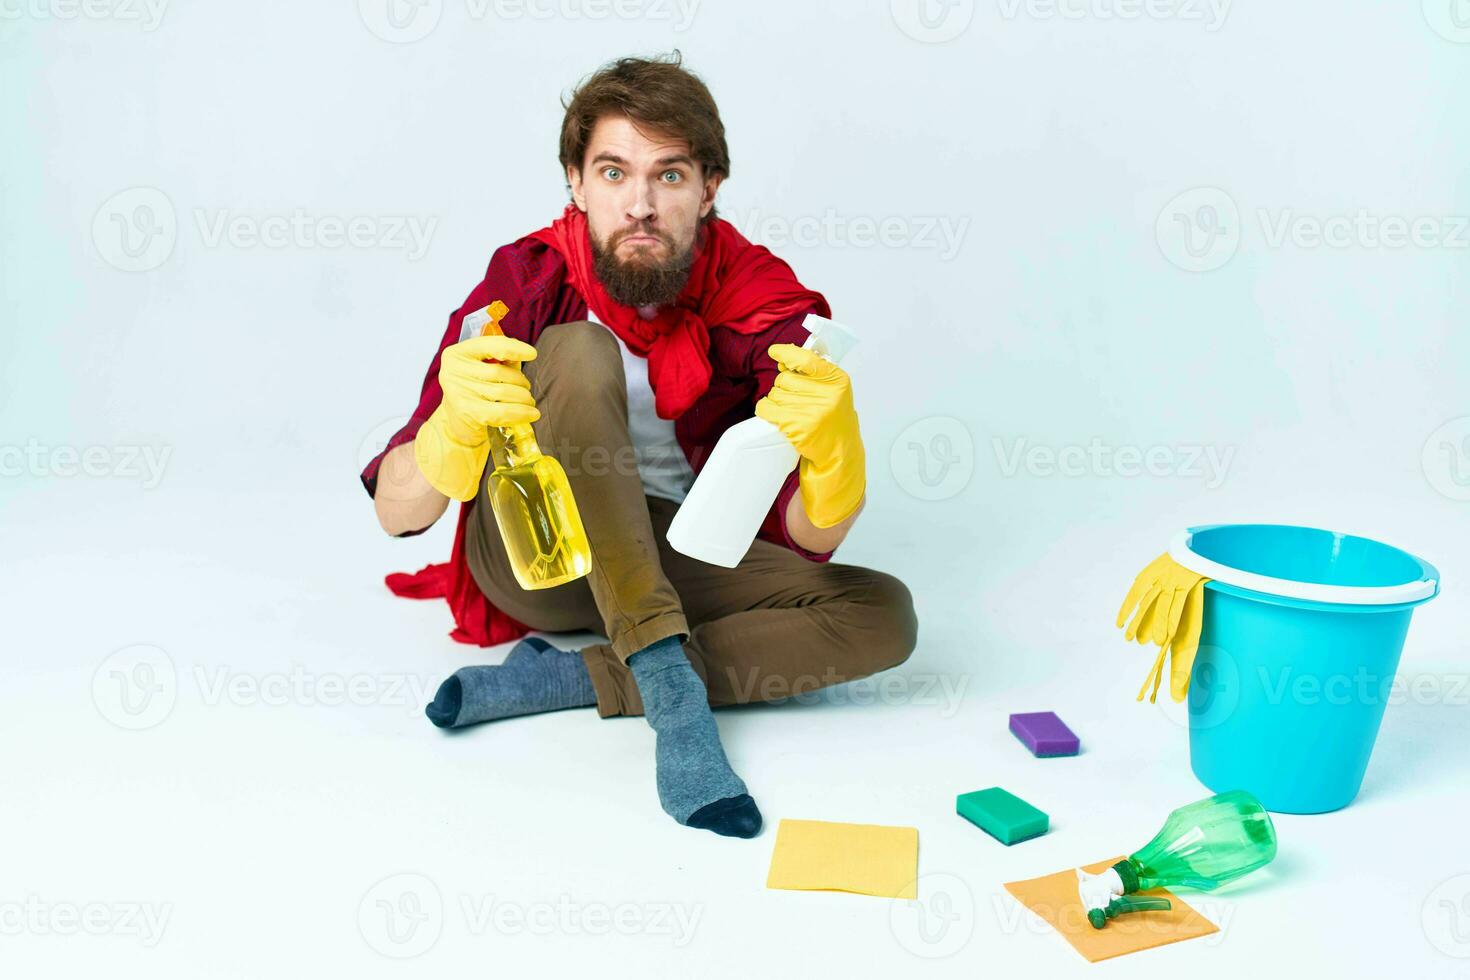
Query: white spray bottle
[722, 513]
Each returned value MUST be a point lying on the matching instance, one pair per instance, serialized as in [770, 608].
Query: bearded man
[641, 326]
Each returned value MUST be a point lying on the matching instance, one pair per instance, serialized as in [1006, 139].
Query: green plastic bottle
[1201, 846]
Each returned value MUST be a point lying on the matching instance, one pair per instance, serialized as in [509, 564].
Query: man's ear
[574, 181]
[711, 188]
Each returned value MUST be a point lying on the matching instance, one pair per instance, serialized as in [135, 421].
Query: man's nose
[641, 207]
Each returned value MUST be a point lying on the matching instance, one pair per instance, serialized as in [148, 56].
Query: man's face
[644, 198]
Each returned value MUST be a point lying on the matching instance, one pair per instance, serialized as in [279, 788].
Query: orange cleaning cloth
[1054, 898]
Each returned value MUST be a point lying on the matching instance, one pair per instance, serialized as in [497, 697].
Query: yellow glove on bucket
[479, 393]
[1169, 603]
[811, 403]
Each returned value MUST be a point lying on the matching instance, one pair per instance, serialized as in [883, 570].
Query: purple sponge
[1044, 734]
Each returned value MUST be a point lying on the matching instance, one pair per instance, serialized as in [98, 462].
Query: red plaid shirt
[530, 278]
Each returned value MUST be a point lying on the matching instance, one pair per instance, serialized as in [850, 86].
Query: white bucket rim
[1350, 595]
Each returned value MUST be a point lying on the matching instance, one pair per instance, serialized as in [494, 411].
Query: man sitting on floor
[645, 327]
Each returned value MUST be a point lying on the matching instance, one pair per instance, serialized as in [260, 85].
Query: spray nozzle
[1097, 890]
[829, 338]
[1102, 895]
[484, 322]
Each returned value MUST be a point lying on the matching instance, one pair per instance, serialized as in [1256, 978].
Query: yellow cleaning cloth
[862, 858]
[1055, 899]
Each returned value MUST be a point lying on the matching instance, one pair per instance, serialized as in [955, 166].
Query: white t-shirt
[661, 464]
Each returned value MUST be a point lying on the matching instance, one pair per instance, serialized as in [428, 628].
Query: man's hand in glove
[811, 403]
[452, 446]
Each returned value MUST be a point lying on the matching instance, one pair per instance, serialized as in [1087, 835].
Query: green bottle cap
[1127, 874]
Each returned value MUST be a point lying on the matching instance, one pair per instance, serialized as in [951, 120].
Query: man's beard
[642, 280]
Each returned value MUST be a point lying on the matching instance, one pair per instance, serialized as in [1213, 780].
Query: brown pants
[776, 626]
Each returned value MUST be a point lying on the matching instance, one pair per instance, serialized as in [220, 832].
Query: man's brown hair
[658, 94]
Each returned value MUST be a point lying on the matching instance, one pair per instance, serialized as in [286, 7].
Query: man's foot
[535, 677]
[696, 785]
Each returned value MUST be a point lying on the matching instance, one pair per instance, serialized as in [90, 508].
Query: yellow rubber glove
[1186, 641]
[1168, 602]
[452, 446]
[811, 403]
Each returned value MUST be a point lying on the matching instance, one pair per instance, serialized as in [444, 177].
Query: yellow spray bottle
[530, 495]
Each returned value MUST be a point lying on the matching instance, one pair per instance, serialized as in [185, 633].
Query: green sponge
[1009, 819]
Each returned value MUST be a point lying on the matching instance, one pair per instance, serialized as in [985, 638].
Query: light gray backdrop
[1118, 267]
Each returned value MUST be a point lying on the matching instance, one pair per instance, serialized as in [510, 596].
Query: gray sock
[696, 785]
[535, 677]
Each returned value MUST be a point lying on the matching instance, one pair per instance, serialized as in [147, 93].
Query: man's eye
[612, 173]
[672, 176]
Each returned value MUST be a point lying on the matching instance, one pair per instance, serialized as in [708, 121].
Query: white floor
[282, 793]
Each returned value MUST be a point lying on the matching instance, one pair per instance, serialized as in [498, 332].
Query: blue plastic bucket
[1300, 643]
